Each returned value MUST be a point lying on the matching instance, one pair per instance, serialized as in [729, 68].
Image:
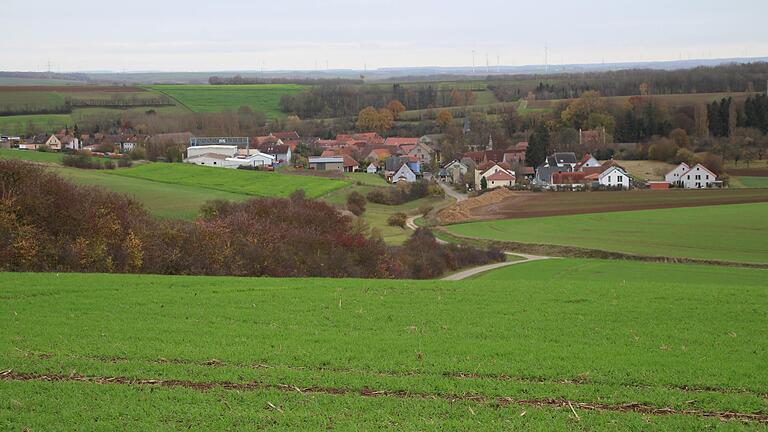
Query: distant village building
[333, 163]
[404, 174]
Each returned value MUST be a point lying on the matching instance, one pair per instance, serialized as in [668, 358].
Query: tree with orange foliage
[369, 119]
[444, 118]
[395, 107]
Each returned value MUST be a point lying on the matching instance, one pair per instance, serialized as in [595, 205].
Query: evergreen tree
[483, 183]
[538, 146]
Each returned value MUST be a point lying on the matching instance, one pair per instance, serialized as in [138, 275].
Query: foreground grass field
[725, 232]
[255, 183]
[608, 349]
[208, 98]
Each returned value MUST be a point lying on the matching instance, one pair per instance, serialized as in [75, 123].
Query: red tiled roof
[286, 135]
[328, 153]
[485, 166]
[568, 177]
[400, 141]
[501, 176]
[522, 145]
[349, 161]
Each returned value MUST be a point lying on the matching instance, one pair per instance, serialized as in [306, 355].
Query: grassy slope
[206, 98]
[727, 232]
[376, 215]
[625, 334]
[254, 183]
[28, 155]
[161, 199]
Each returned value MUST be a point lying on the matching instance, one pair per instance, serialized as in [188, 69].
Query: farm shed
[333, 163]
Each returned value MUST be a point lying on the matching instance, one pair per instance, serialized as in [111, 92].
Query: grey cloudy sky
[175, 35]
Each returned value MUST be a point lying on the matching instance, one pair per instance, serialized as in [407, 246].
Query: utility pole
[473, 61]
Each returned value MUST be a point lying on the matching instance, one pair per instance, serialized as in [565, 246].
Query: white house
[54, 143]
[373, 168]
[588, 161]
[614, 177]
[499, 179]
[223, 150]
[698, 177]
[405, 173]
[255, 159]
[492, 170]
[673, 177]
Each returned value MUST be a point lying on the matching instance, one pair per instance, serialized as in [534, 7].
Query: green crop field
[254, 183]
[207, 98]
[20, 124]
[556, 345]
[32, 156]
[172, 201]
[724, 232]
[751, 182]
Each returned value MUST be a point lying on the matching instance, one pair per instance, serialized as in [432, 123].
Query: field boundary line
[9, 375]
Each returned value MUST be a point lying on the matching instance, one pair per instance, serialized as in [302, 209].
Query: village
[396, 159]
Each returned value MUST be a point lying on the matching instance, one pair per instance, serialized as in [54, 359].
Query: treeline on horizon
[327, 100]
[48, 224]
[747, 77]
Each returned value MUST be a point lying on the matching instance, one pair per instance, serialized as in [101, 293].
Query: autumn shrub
[48, 224]
[81, 160]
[403, 193]
[397, 219]
[356, 203]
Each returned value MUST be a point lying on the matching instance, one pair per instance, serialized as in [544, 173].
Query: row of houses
[396, 158]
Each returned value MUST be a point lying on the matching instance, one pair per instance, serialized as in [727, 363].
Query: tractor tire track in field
[9, 375]
[396, 374]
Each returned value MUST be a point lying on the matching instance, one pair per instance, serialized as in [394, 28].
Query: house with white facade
[673, 177]
[698, 177]
[53, 143]
[502, 175]
[614, 177]
[588, 161]
[405, 173]
[373, 168]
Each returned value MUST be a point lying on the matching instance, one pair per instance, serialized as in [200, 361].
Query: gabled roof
[562, 158]
[286, 135]
[400, 141]
[612, 169]
[349, 161]
[682, 165]
[381, 153]
[273, 148]
[485, 166]
[501, 176]
[406, 168]
[697, 166]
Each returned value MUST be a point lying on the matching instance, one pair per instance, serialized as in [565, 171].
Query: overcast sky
[175, 35]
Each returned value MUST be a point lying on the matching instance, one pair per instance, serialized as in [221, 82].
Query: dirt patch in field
[506, 204]
[9, 375]
[748, 172]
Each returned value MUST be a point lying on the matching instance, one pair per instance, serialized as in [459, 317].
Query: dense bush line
[403, 193]
[48, 224]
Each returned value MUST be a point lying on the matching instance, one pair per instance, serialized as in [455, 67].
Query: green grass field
[751, 182]
[171, 201]
[207, 98]
[725, 232]
[30, 155]
[254, 183]
[507, 351]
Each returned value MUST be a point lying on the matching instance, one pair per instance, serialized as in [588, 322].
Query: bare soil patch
[526, 204]
[9, 375]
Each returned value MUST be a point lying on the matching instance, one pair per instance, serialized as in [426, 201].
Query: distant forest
[725, 78]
